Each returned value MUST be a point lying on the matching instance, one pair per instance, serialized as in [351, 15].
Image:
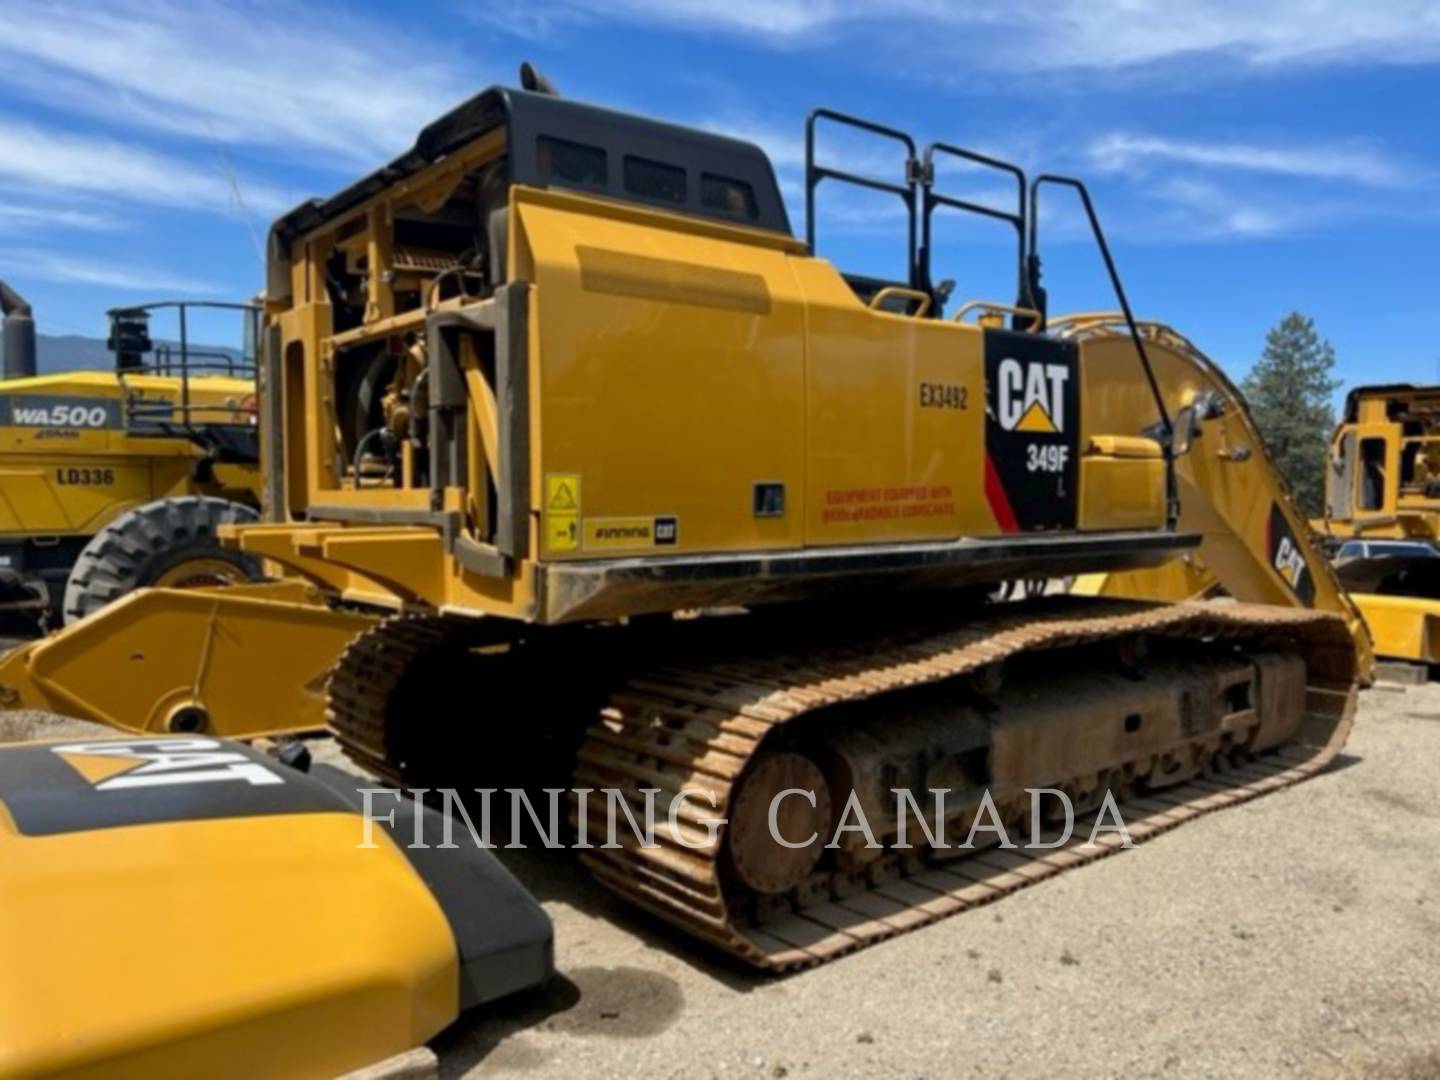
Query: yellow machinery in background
[1382, 513]
[1381, 523]
[583, 469]
[110, 481]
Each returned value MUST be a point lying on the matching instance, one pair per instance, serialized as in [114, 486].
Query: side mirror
[1185, 427]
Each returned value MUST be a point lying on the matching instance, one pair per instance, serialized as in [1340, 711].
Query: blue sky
[1247, 158]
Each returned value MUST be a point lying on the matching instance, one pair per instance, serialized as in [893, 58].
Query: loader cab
[1383, 476]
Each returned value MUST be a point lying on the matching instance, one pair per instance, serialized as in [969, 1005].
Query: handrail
[134, 341]
[814, 174]
[932, 199]
[992, 305]
[1099, 234]
[920, 296]
[1172, 510]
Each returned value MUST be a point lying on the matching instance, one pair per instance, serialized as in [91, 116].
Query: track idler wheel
[753, 855]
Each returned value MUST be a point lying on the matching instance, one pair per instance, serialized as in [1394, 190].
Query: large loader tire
[169, 542]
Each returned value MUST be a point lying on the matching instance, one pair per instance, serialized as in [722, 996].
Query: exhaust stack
[17, 341]
[532, 79]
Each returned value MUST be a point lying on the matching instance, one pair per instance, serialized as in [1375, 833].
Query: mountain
[73, 352]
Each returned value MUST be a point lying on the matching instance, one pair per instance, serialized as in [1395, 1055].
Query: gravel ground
[1298, 934]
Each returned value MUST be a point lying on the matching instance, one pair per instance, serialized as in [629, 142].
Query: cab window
[654, 180]
[735, 198]
[1372, 474]
[571, 162]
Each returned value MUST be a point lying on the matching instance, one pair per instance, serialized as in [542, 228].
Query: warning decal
[562, 511]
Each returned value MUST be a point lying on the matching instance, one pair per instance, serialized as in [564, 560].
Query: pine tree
[1289, 392]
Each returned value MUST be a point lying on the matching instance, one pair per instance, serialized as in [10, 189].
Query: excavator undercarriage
[1174, 710]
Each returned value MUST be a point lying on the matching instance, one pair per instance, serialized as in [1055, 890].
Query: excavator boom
[1255, 545]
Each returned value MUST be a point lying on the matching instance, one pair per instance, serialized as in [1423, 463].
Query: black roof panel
[530, 115]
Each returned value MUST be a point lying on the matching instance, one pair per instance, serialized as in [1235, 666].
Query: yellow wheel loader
[116, 480]
[584, 469]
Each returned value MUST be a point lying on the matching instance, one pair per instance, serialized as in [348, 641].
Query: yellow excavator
[110, 481]
[580, 466]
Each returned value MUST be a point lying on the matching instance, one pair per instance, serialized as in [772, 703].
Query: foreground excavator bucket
[188, 906]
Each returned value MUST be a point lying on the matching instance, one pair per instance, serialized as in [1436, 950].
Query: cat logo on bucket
[1030, 397]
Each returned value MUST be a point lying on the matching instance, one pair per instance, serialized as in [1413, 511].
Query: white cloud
[26, 216]
[48, 162]
[300, 80]
[1077, 34]
[1199, 209]
[1351, 162]
[1066, 34]
[786, 149]
[68, 270]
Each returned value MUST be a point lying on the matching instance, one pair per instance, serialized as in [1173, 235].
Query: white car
[1384, 549]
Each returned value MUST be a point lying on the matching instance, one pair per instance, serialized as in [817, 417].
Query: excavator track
[700, 726]
[365, 681]
[716, 721]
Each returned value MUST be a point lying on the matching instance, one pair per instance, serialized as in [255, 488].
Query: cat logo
[1287, 557]
[121, 765]
[1289, 561]
[1031, 396]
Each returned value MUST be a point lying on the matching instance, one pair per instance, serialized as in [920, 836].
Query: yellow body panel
[1121, 490]
[1404, 627]
[671, 372]
[880, 466]
[66, 478]
[154, 950]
